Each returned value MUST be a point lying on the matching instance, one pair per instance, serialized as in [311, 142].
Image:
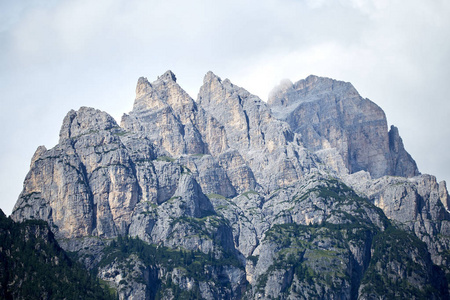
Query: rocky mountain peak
[183, 127]
[161, 93]
[402, 162]
[210, 76]
[38, 153]
[168, 76]
[331, 114]
[85, 120]
[142, 87]
[234, 107]
[274, 95]
[312, 88]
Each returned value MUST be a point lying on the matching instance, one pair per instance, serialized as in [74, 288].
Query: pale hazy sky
[59, 55]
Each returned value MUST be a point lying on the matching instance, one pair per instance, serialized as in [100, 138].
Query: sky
[58, 55]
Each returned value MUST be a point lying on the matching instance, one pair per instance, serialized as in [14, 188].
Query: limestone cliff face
[417, 204]
[181, 126]
[86, 185]
[247, 120]
[331, 114]
[267, 145]
[249, 194]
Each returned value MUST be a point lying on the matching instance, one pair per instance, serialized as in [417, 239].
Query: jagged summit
[212, 79]
[168, 76]
[331, 114]
[274, 200]
[313, 88]
[141, 86]
[210, 76]
[78, 123]
[157, 94]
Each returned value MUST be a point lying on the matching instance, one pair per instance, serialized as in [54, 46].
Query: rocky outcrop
[141, 271]
[128, 277]
[416, 205]
[331, 114]
[400, 268]
[402, 164]
[228, 197]
[267, 145]
[86, 185]
[181, 126]
[247, 120]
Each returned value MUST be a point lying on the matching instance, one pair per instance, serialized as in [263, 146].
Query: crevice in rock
[248, 127]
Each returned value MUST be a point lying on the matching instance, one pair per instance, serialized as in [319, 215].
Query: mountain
[307, 196]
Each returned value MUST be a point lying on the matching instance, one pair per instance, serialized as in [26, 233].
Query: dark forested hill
[33, 266]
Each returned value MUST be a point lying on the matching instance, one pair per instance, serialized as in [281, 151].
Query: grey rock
[211, 175]
[417, 205]
[124, 280]
[331, 114]
[87, 183]
[402, 163]
[267, 145]
[183, 127]
[292, 195]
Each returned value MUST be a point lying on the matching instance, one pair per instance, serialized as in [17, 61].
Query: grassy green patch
[166, 158]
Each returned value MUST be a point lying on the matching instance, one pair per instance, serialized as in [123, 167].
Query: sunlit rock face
[331, 114]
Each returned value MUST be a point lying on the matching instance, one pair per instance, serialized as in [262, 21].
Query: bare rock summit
[331, 114]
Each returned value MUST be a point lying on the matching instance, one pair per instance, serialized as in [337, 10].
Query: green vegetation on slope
[355, 251]
[315, 256]
[401, 268]
[33, 266]
[194, 264]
